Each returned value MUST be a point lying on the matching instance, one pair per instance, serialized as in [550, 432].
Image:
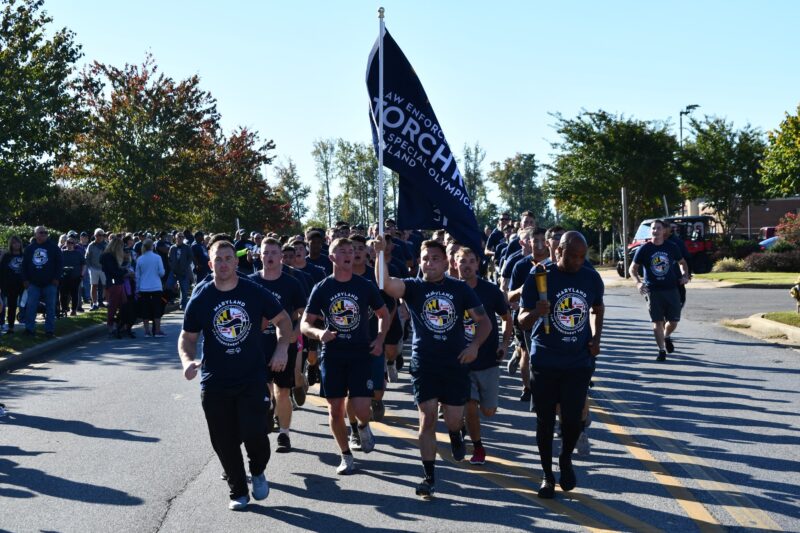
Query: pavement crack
[180, 492]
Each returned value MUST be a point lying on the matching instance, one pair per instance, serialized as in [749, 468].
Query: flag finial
[380, 12]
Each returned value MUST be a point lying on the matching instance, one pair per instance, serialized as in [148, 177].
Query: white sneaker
[391, 373]
[582, 447]
[239, 503]
[367, 439]
[260, 487]
[346, 466]
[355, 442]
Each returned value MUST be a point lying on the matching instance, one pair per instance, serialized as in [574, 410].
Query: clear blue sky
[294, 71]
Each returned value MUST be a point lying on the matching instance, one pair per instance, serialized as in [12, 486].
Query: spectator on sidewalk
[11, 281]
[200, 256]
[149, 271]
[41, 271]
[74, 268]
[180, 264]
[86, 282]
[111, 260]
[96, 276]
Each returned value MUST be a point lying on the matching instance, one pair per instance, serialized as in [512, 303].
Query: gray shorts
[97, 276]
[485, 386]
[664, 305]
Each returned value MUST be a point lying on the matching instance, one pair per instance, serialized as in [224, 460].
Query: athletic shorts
[378, 372]
[285, 378]
[346, 375]
[485, 386]
[664, 305]
[449, 385]
[395, 333]
[97, 276]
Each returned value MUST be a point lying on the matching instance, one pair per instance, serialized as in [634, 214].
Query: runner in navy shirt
[440, 354]
[562, 360]
[288, 292]
[343, 301]
[231, 312]
[484, 372]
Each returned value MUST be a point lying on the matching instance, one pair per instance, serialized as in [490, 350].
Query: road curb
[771, 328]
[21, 359]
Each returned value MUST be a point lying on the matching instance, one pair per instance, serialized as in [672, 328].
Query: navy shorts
[395, 333]
[664, 305]
[346, 375]
[450, 385]
[285, 378]
[378, 372]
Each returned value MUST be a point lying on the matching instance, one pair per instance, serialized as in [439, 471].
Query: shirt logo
[231, 325]
[469, 327]
[16, 264]
[571, 312]
[39, 257]
[659, 263]
[439, 313]
[344, 313]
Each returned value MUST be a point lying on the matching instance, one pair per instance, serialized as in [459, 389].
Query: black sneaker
[566, 479]
[526, 395]
[457, 447]
[548, 488]
[425, 489]
[399, 362]
[284, 443]
[662, 356]
[669, 345]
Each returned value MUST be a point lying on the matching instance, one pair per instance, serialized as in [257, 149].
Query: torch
[541, 286]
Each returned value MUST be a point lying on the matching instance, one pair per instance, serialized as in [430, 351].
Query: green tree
[323, 153]
[600, 153]
[39, 115]
[485, 211]
[780, 169]
[292, 191]
[516, 180]
[721, 166]
[357, 169]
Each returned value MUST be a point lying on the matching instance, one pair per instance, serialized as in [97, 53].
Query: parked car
[766, 232]
[766, 244]
[697, 233]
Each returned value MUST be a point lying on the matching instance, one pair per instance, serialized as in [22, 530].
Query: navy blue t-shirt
[494, 303]
[305, 280]
[323, 261]
[437, 314]
[345, 308]
[233, 347]
[495, 238]
[510, 262]
[661, 271]
[520, 272]
[317, 273]
[391, 303]
[571, 298]
[289, 293]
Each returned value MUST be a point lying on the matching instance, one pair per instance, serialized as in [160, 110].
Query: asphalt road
[108, 436]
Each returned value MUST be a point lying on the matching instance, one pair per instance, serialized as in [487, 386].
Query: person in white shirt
[149, 271]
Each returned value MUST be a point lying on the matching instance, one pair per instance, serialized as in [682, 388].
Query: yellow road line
[741, 508]
[509, 483]
[694, 509]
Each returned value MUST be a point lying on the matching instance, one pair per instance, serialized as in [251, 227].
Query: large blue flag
[432, 193]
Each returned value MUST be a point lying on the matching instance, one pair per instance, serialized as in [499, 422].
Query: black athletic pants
[552, 386]
[235, 416]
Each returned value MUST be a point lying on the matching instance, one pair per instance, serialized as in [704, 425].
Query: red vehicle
[696, 232]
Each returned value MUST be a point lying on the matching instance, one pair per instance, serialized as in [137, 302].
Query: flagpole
[381, 258]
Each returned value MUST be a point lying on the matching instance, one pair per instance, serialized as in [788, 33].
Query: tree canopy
[780, 169]
[515, 178]
[721, 166]
[598, 154]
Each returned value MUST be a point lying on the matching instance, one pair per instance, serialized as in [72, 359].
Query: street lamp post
[686, 111]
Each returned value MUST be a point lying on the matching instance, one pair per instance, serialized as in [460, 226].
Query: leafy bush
[789, 228]
[773, 262]
[736, 249]
[782, 246]
[729, 264]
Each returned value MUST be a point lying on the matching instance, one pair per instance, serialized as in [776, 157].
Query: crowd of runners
[267, 316]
